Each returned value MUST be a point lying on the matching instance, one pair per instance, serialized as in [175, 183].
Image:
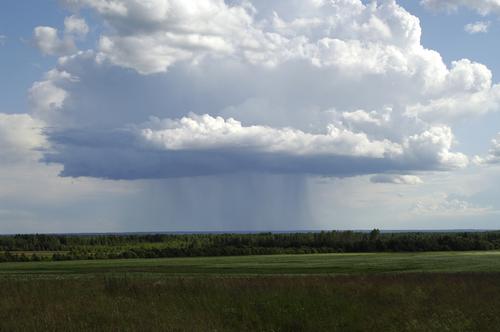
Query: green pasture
[439, 291]
[362, 263]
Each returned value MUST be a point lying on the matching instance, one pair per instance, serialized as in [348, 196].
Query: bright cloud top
[20, 137]
[206, 133]
[314, 87]
[151, 37]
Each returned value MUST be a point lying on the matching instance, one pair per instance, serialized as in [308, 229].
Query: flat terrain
[388, 302]
[476, 261]
[441, 291]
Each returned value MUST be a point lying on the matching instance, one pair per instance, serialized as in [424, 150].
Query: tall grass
[409, 302]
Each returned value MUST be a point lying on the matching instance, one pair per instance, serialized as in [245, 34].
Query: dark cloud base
[117, 155]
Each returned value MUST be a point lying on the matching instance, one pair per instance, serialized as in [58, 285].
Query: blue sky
[445, 33]
[258, 115]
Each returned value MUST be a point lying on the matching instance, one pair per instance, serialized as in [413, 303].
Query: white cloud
[442, 205]
[477, 27]
[46, 97]
[360, 117]
[47, 40]
[298, 87]
[483, 7]
[466, 91]
[396, 179]
[434, 146]
[20, 137]
[75, 25]
[152, 36]
[348, 40]
[207, 133]
[493, 156]
[3, 40]
[205, 145]
[309, 78]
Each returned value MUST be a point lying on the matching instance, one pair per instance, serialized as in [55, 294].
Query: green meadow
[440, 291]
[312, 264]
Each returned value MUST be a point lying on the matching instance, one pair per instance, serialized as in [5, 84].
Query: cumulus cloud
[150, 37]
[396, 179]
[466, 91]
[47, 40]
[47, 96]
[204, 145]
[483, 7]
[20, 138]
[288, 88]
[76, 26]
[493, 156]
[433, 146]
[206, 132]
[313, 87]
[348, 40]
[444, 205]
[477, 27]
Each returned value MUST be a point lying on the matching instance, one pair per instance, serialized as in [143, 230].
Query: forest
[45, 247]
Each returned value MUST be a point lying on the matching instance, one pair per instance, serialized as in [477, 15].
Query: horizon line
[186, 232]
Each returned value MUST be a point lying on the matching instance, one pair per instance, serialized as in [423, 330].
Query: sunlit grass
[487, 261]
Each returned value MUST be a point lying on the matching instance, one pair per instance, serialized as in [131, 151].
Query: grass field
[410, 302]
[487, 261]
[450, 291]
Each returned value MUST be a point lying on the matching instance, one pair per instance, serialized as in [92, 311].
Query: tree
[374, 234]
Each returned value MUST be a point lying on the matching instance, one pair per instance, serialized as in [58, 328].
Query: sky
[248, 115]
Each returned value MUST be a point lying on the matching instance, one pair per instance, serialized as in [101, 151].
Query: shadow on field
[405, 302]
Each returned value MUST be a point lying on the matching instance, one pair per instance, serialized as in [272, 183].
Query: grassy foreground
[408, 302]
[452, 291]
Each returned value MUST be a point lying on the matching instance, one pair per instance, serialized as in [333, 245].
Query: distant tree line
[38, 247]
